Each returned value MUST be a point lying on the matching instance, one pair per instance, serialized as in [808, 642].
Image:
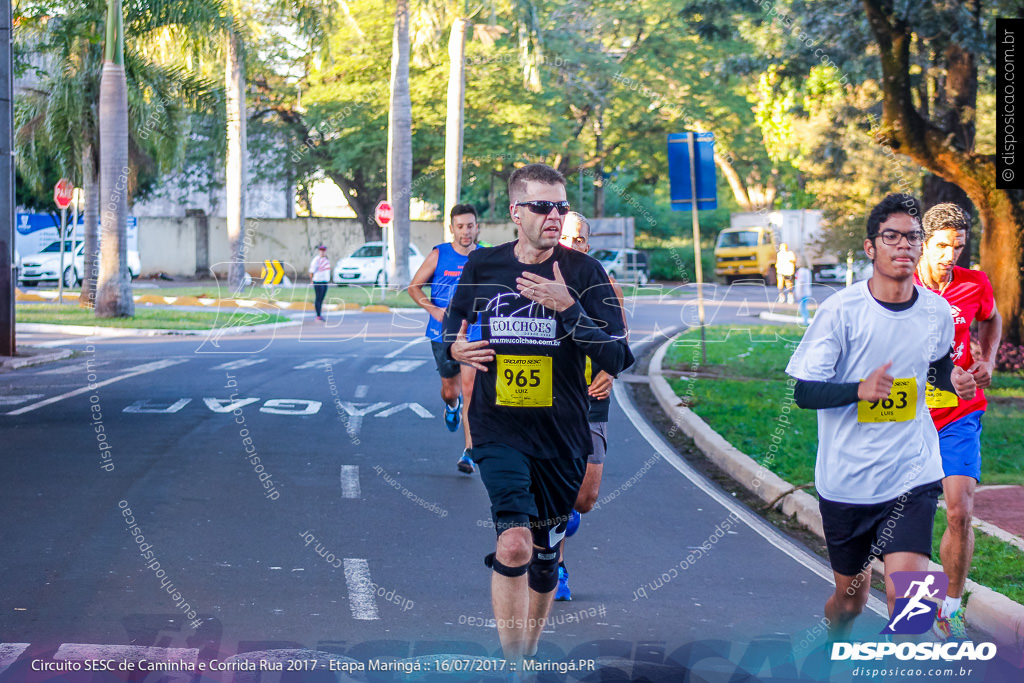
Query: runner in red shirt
[969, 294]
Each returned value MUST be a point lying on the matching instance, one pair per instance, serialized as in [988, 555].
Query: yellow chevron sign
[273, 273]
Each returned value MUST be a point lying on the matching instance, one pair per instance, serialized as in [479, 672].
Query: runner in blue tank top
[441, 271]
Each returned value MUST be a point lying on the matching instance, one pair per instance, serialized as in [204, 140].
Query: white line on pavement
[74, 367]
[360, 589]
[15, 400]
[134, 372]
[755, 523]
[414, 407]
[239, 364]
[398, 366]
[405, 347]
[362, 390]
[350, 481]
[9, 653]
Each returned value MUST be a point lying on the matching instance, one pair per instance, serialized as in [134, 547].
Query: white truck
[747, 248]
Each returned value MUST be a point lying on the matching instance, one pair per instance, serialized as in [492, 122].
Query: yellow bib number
[523, 381]
[939, 398]
[899, 406]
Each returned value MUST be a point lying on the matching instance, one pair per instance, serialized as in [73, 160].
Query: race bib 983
[899, 406]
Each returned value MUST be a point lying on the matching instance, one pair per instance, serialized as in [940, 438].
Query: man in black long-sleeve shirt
[863, 365]
[543, 310]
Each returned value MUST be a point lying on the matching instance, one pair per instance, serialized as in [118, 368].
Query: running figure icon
[916, 606]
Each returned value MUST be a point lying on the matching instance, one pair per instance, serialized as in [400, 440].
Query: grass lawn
[146, 318]
[744, 394]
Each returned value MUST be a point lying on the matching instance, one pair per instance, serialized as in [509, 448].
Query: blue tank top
[446, 275]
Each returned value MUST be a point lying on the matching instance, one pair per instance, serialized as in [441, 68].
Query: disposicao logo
[914, 613]
[919, 595]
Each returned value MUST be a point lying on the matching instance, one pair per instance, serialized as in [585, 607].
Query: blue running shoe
[452, 416]
[465, 463]
[562, 593]
[573, 524]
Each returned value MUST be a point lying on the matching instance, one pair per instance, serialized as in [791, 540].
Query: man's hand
[964, 383]
[551, 294]
[474, 354]
[437, 313]
[601, 387]
[982, 371]
[877, 386]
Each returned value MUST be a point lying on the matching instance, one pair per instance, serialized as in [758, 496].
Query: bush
[1009, 358]
[676, 264]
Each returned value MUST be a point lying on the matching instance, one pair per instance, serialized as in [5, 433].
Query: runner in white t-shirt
[863, 364]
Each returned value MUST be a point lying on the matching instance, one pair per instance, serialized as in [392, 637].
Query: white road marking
[318, 363]
[74, 367]
[9, 653]
[756, 524]
[414, 407]
[79, 652]
[144, 406]
[405, 347]
[362, 390]
[15, 400]
[355, 421]
[226, 405]
[350, 481]
[291, 406]
[398, 366]
[133, 372]
[360, 589]
[239, 364]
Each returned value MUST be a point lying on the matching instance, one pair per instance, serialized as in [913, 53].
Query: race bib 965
[523, 381]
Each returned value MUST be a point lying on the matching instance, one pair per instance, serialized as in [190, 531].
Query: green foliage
[55, 118]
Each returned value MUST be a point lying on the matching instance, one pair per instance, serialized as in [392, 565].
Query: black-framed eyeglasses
[892, 237]
[543, 207]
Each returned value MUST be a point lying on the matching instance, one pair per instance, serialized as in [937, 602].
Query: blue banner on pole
[704, 167]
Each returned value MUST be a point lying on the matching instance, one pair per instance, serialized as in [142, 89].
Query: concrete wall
[174, 245]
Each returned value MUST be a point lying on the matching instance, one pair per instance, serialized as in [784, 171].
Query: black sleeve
[597, 326]
[939, 373]
[819, 395]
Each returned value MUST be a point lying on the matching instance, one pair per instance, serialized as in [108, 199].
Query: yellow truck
[747, 249]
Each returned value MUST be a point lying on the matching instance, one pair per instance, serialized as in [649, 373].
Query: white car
[366, 265]
[45, 265]
[837, 273]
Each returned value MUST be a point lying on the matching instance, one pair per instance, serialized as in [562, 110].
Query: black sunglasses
[543, 207]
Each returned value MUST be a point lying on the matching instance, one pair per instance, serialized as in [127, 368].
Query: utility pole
[7, 279]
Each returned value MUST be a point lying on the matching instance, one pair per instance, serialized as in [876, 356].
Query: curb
[97, 331]
[207, 302]
[994, 613]
[17, 362]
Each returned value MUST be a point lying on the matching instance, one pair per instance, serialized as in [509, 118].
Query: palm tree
[57, 119]
[114, 286]
[234, 86]
[400, 150]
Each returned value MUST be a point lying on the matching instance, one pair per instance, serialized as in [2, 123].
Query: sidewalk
[993, 613]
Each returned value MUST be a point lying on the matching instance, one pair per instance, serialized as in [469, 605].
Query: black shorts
[526, 491]
[856, 533]
[446, 367]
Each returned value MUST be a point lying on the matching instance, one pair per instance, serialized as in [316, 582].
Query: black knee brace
[492, 562]
[544, 569]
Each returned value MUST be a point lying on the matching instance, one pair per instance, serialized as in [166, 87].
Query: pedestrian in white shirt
[320, 276]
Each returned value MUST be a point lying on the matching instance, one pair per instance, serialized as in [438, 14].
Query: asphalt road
[353, 534]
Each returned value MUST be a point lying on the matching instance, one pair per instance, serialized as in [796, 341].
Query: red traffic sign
[383, 214]
[63, 193]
